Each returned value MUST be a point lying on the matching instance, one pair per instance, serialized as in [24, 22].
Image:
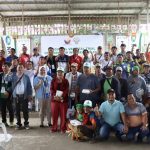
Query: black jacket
[8, 88]
[115, 84]
[124, 88]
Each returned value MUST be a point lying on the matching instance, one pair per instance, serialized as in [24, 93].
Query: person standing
[72, 78]
[123, 85]
[24, 57]
[11, 56]
[35, 57]
[59, 101]
[75, 58]
[22, 93]
[2, 59]
[110, 82]
[137, 85]
[98, 56]
[88, 86]
[42, 89]
[5, 94]
[51, 62]
[63, 60]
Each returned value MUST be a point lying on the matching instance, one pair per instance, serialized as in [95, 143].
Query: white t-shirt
[106, 63]
[35, 60]
[20, 87]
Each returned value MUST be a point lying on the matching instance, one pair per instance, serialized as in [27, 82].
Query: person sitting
[87, 129]
[78, 115]
[136, 119]
[112, 112]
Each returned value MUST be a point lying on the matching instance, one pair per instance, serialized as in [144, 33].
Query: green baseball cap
[135, 68]
[79, 106]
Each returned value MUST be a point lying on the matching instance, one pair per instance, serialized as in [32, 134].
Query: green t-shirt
[107, 86]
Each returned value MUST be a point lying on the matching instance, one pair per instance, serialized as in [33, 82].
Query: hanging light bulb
[69, 31]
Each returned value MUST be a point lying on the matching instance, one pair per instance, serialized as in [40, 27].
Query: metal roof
[77, 7]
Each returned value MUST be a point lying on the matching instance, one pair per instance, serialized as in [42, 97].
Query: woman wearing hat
[59, 101]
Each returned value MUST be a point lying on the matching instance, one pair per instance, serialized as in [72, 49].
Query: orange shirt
[147, 54]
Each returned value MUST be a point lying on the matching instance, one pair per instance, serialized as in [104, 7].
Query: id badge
[72, 95]
[3, 90]
[53, 67]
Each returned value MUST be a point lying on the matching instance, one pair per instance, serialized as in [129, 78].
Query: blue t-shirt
[111, 112]
[10, 58]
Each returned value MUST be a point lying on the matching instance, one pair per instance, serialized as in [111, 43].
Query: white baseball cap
[119, 69]
[60, 69]
[87, 64]
[87, 103]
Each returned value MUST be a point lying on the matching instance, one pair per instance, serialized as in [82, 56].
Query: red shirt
[24, 58]
[147, 54]
[64, 87]
[2, 60]
[76, 59]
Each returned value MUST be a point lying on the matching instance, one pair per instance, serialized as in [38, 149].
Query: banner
[90, 42]
[8, 43]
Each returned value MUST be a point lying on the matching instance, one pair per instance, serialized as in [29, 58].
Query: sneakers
[6, 124]
[27, 127]
[49, 125]
[18, 127]
[41, 126]
[123, 138]
[11, 124]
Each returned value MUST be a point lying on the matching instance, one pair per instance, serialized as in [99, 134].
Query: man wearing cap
[123, 84]
[72, 78]
[98, 56]
[137, 85]
[110, 82]
[59, 100]
[88, 86]
[75, 58]
[35, 57]
[113, 113]
[98, 72]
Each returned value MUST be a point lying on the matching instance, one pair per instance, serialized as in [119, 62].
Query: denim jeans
[106, 128]
[137, 130]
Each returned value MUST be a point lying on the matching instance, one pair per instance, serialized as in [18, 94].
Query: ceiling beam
[73, 9]
[66, 1]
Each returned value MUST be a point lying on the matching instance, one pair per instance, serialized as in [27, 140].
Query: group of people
[104, 91]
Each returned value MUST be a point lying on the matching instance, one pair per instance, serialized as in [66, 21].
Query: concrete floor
[41, 139]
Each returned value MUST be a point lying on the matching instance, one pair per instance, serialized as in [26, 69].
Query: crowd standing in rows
[104, 91]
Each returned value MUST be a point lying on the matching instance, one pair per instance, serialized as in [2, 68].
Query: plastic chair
[6, 142]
